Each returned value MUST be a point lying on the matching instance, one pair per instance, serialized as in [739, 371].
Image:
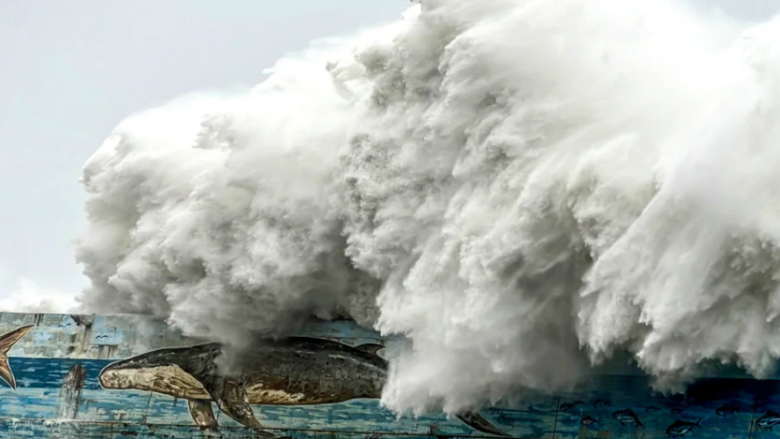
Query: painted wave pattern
[617, 405]
[621, 407]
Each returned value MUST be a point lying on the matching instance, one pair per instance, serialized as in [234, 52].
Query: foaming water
[522, 189]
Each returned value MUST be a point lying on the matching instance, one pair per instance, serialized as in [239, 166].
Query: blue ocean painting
[58, 361]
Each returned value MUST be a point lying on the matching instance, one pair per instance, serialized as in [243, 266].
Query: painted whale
[287, 371]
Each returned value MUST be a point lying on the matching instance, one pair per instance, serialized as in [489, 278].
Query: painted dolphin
[7, 341]
[286, 371]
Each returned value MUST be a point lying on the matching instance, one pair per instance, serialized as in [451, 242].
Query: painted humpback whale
[287, 371]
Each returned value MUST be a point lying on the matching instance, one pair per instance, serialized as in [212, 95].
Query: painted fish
[678, 410]
[758, 405]
[569, 405]
[727, 409]
[652, 409]
[627, 417]
[588, 420]
[600, 403]
[681, 428]
[7, 341]
[769, 420]
[285, 371]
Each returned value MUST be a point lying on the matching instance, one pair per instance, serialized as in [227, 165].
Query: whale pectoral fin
[202, 414]
[235, 403]
[477, 422]
[232, 400]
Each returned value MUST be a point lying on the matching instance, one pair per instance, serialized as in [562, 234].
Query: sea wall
[55, 363]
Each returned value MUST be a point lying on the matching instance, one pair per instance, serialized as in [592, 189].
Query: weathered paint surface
[57, 364]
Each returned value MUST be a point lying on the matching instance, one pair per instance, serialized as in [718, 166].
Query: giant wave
[520, 188]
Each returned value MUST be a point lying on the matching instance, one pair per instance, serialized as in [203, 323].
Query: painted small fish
[652, 409]
[569, 405]
[769, 420]
[727, 409]
[627, 417]
[588, 420]
[681, 428]
[678, 410]
[600, 403]
[757, 405]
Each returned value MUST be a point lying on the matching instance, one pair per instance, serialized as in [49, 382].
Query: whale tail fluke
[7, 341]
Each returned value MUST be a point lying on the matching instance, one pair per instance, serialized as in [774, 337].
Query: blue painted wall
[618, 404]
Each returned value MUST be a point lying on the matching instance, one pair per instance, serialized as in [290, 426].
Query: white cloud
[28, 296]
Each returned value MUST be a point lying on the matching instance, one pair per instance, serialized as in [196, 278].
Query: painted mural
[121, 376]
[292, 371]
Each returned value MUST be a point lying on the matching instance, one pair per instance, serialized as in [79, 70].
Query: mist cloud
[521, 189]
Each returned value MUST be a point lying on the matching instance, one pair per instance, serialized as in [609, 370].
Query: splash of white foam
[520, 188]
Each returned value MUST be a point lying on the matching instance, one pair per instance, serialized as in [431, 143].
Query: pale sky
[71, 70]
